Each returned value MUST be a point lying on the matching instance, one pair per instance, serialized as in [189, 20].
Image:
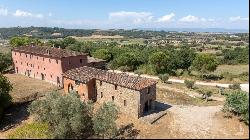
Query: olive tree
[67, 116]
[104, 120]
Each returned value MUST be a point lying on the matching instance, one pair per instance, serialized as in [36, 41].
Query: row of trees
[236, 56]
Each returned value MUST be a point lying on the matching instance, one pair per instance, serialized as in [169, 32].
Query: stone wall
[126, 99]
[145, 98]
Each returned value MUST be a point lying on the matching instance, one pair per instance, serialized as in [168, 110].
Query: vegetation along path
[244, 87]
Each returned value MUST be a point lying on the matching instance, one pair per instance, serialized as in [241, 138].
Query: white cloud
[189, 18]
[20, 13]
[134, 17]
[3, 11]
[238, 18]
[166, 18]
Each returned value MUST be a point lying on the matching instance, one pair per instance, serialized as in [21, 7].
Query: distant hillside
[50, 33]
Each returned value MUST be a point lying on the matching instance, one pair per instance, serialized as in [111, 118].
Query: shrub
[67, 116]
[244, 76]
[164, 77]
[235, 86]
[237, 102]
[5, 98]
[36, 130]
[104, 120]
[189, 83]
[179, 72]
[5, 62]
[211, 77]
[205, 94]
[227, 75]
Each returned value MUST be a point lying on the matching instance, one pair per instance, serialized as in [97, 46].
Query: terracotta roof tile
[48, 51]
[85, 74]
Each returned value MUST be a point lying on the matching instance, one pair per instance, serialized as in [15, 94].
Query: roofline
[17, 50]
[153, 83]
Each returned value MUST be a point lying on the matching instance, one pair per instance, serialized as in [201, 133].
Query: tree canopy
[67, 116]
[205, 63]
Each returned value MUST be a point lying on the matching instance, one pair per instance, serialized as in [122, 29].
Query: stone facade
[101, 87]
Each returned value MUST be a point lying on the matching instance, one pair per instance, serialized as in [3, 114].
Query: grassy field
[25, 87]
[234, 69]
[178, 98]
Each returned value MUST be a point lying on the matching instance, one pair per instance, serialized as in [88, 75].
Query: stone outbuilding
[134, 95]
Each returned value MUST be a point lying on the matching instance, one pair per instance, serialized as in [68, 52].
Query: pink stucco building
[46, 63]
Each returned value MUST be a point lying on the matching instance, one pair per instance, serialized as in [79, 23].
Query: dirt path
[197, 122]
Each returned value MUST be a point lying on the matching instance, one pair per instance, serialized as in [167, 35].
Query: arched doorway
[70, 88]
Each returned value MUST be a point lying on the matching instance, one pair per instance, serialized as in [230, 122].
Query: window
[37, 57]
[100, 83]
[101, 94]
[69, 62]
[56, 61]
[26, 55]
[15, 53]
[77, 82]
[148, 90]
[30, 56]
[115, 87]
[16, 61]
[27, 64]
[38, 67]
[36, 72]
[80, 60]
[51, 75]
[49, 60]
[20, 54]
[21, 63]
[125, 103]
[113, 98]
[43, 68]
[43, 59]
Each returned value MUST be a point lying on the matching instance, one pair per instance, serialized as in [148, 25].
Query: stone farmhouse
[87, 76]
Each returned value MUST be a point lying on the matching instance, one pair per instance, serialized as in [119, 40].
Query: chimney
[59, 47]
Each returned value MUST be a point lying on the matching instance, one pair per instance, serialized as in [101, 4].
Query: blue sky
[104, 14]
